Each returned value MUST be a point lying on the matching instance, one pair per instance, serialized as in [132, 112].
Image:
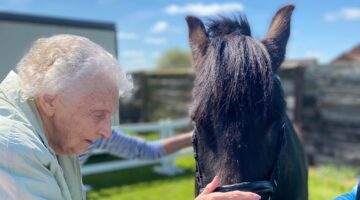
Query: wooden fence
[158, 95]
[323, 101]
[331, 113]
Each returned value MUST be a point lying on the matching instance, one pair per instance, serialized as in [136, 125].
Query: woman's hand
[208, 193]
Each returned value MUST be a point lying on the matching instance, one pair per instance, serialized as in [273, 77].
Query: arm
[175, 143]
[124, 146]
[121, 145]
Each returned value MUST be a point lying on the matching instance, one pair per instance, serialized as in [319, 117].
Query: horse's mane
[224, 26]
[235, 77]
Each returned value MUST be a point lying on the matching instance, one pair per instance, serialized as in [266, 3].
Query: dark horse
[242, 133]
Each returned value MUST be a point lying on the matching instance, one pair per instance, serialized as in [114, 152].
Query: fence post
[167, 166]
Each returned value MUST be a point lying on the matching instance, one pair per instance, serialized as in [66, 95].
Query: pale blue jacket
[29, 168]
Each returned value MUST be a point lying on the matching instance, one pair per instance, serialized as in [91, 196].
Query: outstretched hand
[208, 193]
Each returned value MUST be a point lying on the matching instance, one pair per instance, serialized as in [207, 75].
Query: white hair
[59, 62]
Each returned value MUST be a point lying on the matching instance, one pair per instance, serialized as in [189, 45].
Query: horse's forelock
[235, 73]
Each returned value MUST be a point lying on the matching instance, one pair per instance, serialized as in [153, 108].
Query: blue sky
[146, 28]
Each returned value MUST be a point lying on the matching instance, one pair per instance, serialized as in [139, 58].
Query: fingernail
[216, 179]
[256, 197]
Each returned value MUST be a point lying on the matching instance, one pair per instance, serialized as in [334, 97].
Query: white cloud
[127, 36]
[136, 64]
[201, 9]
[330, 17]
[15, 4]
[321, 56]
[155, 40]
[156, 54]
[132, 54]
[351, 13]
[159, 27]
[347, 14]
[104, 2]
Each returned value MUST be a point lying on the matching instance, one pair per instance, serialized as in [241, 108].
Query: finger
[247, 195]
[211, 186]
[236, 195]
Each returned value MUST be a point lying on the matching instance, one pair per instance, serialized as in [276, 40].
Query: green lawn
[326, 182]
[142, 183]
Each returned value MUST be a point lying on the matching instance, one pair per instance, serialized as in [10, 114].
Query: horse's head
[238, 103]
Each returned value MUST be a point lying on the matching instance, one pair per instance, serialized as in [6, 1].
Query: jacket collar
[11, 88]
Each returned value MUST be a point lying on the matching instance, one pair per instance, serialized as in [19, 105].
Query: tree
[174, 58]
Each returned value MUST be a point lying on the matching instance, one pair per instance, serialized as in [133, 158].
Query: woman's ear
[47, 104]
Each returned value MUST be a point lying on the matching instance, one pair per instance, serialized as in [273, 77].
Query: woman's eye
[99, 116]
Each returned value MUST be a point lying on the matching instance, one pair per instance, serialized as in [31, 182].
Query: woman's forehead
[100, 98]
[92, 97]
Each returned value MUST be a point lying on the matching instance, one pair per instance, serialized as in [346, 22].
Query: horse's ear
[198, 38]
[278, 35]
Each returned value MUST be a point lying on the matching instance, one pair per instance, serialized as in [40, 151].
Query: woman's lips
[89, 141]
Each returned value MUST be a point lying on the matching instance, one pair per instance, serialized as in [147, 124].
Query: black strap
[198, 174]
[259, 187]
[280, 145]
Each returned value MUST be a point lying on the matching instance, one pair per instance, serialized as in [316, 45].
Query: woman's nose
[105, 131]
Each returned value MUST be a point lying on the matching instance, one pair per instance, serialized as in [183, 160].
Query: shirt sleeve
[348, 196]
[124, 146]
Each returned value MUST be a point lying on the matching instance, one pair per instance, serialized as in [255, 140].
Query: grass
[325, 182]
[143, 183]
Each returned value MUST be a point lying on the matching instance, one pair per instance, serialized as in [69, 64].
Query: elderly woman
[57, 105]
[61, 100]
